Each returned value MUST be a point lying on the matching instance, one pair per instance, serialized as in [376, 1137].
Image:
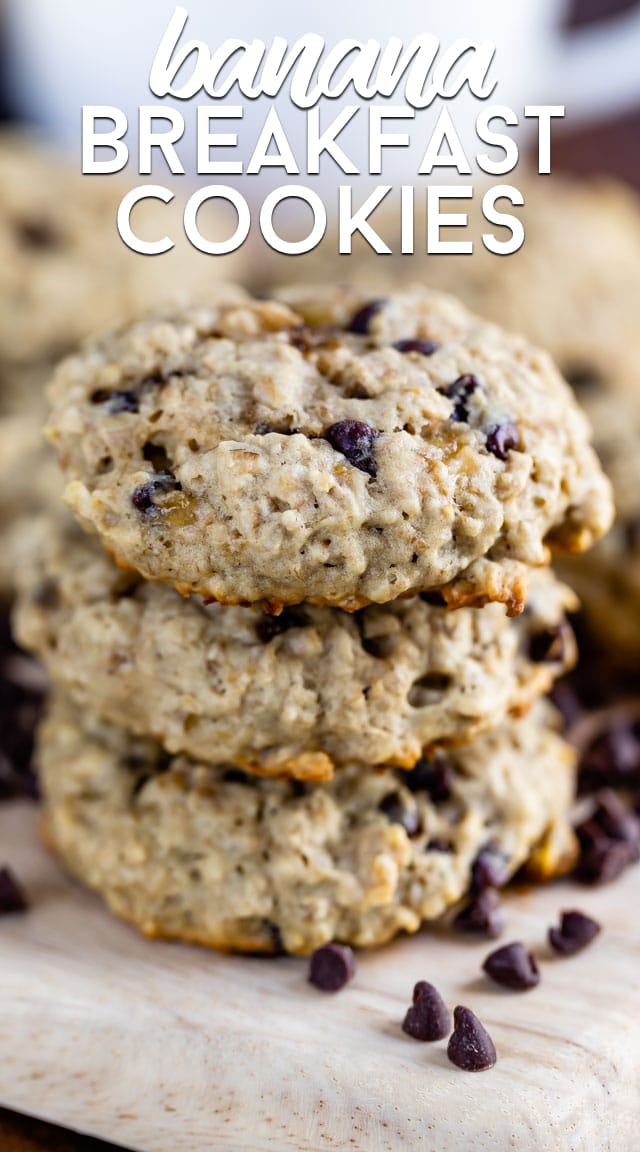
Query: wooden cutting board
[169, 1048]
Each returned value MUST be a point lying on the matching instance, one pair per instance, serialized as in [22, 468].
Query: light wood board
[170, 1048]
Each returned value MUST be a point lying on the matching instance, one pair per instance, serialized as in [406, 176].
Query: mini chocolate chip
[576, 931]
[439, 845]
[331, 967]
[483, 915]
[428, 1018]
[513, 967]
[434, 776]
[396, 811]
[501, 438]
[37, 233]
[354, 440]
[613, 757]
[414, 344]
[142, 497]
[116, 402]
[488, 869]
[460, 391]
[12, 897]
[362, 319]
[604, 862]
[470, 1047]
[550, 646]
[270, 626]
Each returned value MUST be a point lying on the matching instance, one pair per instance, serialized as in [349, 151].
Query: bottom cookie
[242, 863]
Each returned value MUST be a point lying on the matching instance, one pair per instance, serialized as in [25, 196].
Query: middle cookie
[289, 695]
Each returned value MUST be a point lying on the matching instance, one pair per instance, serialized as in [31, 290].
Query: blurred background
[56, 56]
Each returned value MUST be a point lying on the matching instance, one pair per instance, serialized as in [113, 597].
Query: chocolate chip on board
[470, 1047]
[331, 967]
[428, 1018]
[483, 915]
[513, 967]
[12, 897]
[576, 931]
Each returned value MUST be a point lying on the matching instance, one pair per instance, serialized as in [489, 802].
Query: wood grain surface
[167, 1047]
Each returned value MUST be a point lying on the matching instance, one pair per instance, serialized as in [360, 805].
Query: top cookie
[336, 447]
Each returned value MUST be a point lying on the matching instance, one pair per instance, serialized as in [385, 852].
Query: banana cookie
[242, 863]
[293, 694]
[335, 448]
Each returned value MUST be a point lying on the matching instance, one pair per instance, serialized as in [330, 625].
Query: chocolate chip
[613, 756]
[270, 626]
[362, 319]
[550, 646]
[576, 931]
[432, 775]
[513, 967]
[460, 391]
[414, 344]
[488, 869]
[439, 845]
[12, 897]
[354, 440]
[470, 1047]
[396, 811]
[37, 233]
[615, 819]
[567, 701]
[236, 776]
[604, 862]
[331, 967]
[116, 402]
[501, 438]
[483, 915]
[142, 497]
[428, 1018]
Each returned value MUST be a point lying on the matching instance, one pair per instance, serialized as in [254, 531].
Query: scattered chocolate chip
[12, 897]
[615, 819]
[354, 440]
[414, 344]
[142, 497]
[483, 915]
[362, 319]
[428, 1018]
[501, 438]
[434, 776]
[489, 869]
[550, 646]
[513, 967]
[612, 757]
[576, 931]
[37, 233]
[470, 1047]
[394, 808]
[270, 626]
[116, 402]
[460, 391]
[604, 862]
[331, 967]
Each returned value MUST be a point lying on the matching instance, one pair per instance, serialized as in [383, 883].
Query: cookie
[335, 449]
[573, 288]
[293, 694]
[65, 272]
[242, 863]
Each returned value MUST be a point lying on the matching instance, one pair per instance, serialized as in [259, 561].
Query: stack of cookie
[304, 705]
